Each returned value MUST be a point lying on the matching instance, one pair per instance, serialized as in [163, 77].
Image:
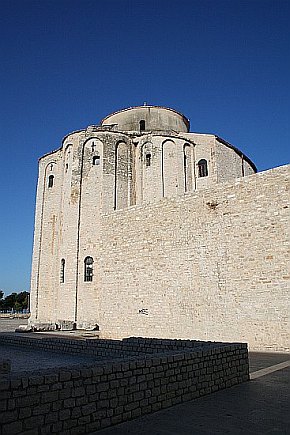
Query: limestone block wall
[84, 399]
[208, 265]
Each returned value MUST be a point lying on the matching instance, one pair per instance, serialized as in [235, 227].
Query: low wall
[82, 400]
[132, 346]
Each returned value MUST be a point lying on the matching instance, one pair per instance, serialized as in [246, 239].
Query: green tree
[14, 301]
[22, 301]
[9, 301]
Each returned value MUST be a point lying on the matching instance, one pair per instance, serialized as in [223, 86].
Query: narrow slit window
[202, 168]
[96, 160]
[148, 159]
[62, 270]
[88, 275]
[50, 181]
[142, 125]
[185, 170]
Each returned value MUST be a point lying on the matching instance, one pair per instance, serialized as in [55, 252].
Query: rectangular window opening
[96, 160]
[148, 159]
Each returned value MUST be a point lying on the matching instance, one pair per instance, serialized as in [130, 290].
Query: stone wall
[209, 265]
[82, 400]
[131, 346]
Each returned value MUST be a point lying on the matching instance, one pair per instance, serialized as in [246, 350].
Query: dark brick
[89, 409]
[41, 409]
[76, 412]
[12, 428]
[32, 422]
[64, 376]
[79, 391]
[50, 396]
[25, 412]
[4, 384]
[36, 380]
[84, 420]
[46, 430]
[64, 414]
[52, 417]
[57, 427]
[8, 416]
[51, 378]
[70, 423]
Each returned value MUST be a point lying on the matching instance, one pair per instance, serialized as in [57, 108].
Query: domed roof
[142, 118]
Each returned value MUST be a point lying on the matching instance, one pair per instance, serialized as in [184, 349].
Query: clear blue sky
[65, 64]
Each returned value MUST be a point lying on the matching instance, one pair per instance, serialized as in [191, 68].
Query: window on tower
[62, 270]
[50, 181]
[148, 159]
[96, 160]
[202, 168]
[142, 125]
[88, 272]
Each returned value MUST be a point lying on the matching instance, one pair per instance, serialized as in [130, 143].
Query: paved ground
[261, 406]
[260, 360]
[26, 360]
[9, 325]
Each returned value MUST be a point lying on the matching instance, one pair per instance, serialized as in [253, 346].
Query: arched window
[50, 180]
[88, 275]
[62, 270]
[148, 159]
[202, 168]
[142, 125]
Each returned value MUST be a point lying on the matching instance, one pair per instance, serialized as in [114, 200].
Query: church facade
[144, 228]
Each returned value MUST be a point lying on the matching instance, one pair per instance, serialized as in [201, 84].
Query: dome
[147, 118]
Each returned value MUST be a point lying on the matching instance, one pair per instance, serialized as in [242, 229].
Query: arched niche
[123, 175]
[93, 156]
[50, 176]
[169, 168]
[188, 167]
[68, 158]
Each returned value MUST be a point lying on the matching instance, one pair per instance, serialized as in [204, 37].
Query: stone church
[143, 228]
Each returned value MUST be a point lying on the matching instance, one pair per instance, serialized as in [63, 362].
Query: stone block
[33, 422]
[5, 366]
[12, 428]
